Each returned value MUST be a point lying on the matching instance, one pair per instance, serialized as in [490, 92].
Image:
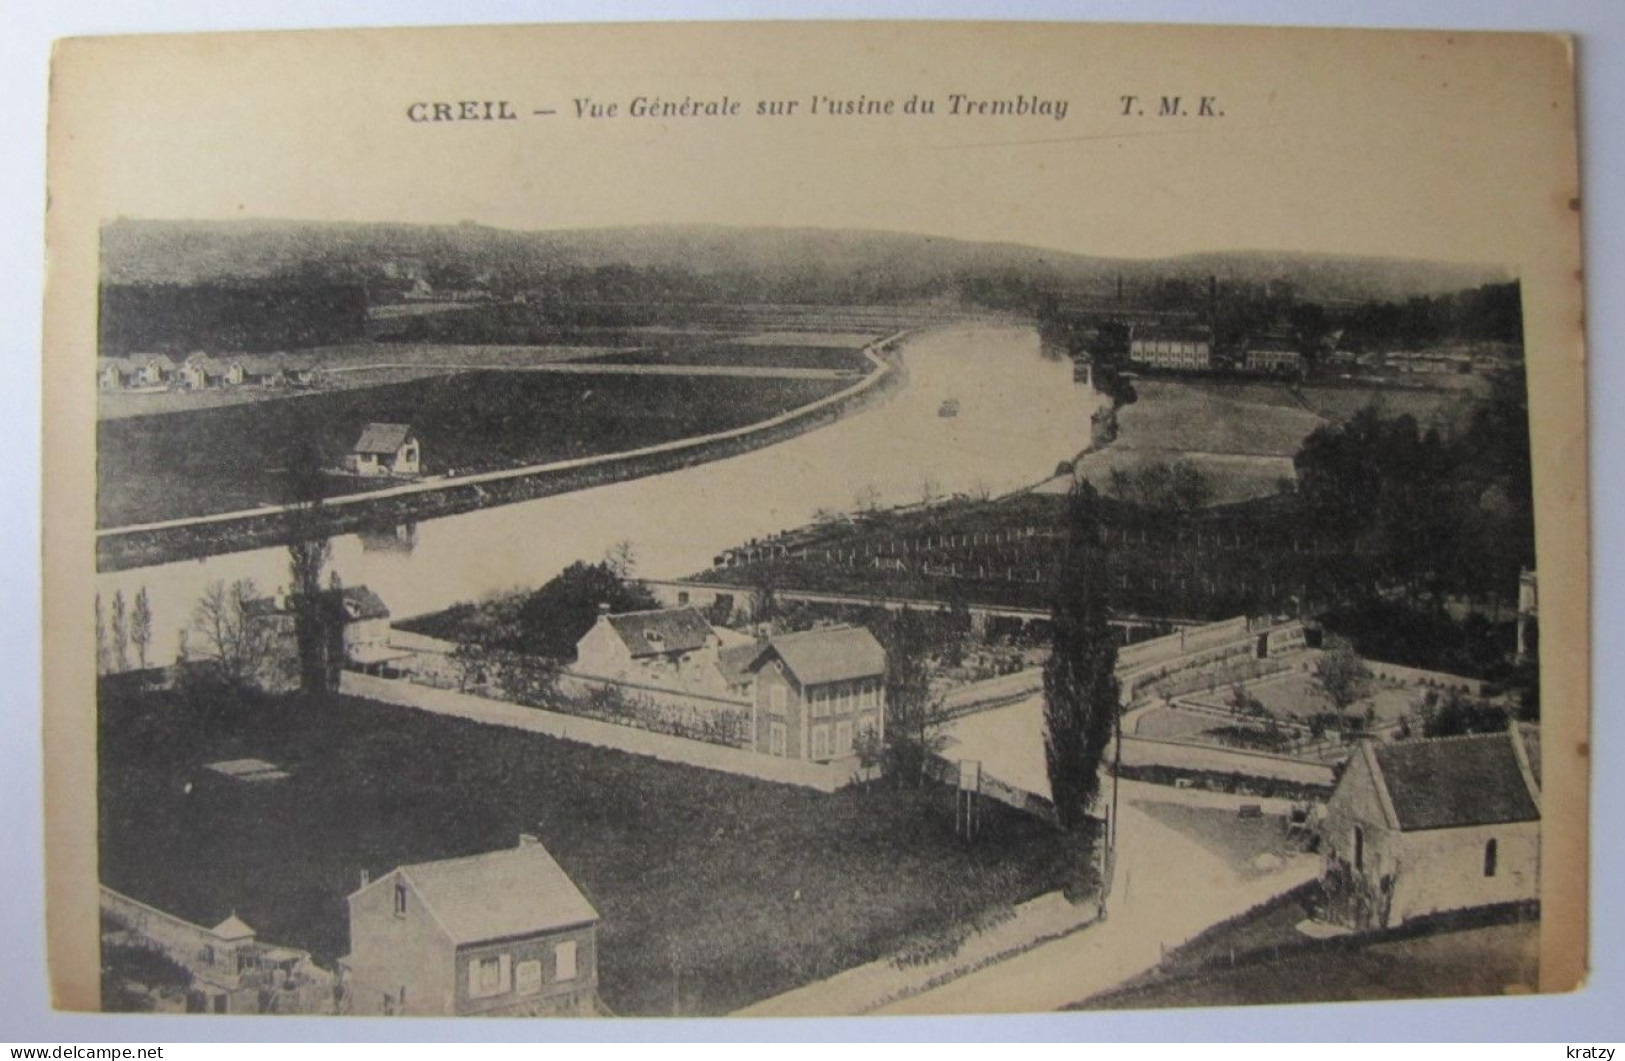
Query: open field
[347, 366]
[1242, 434]
[1296, 695]
[1451, 406]
[835, 340]
[1187, 418]
[1231, 477]
[1261, 958]
[218, 460]
[459, 355]
[736, 355]
[747, 888]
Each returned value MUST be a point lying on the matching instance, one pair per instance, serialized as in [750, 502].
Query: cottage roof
[651, 633]
[233, 929]
[518, 891]
[383, 438]
[828, 654]
[1452, 781]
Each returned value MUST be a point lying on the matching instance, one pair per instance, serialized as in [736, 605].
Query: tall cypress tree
[1080, 681]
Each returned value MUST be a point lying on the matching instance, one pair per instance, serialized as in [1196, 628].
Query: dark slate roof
[734, 661]
[828, 654]
[383, 438]
[358, 603]
[518, 891]
[1454, 781]
[362, 603]
[652, 633]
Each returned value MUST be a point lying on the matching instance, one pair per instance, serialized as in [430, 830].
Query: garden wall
[825, 777]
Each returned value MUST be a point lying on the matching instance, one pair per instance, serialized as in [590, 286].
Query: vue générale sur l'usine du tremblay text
[952, 105]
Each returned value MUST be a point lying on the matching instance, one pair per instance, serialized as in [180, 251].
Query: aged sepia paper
[813, 519]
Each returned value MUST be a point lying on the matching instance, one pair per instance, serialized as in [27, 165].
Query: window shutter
[504, 964]
[474, 978]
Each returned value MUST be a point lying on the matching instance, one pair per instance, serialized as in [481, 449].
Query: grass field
[751, 888]
[1261, 958]
[1230, 477]
[1427, 406]
[1190, 418]
[1296, 695]
[223, 459]
[743, 356]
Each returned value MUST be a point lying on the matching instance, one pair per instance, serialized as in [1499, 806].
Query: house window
[820, 742]
[682, 597]
[775, 738]
[564, 961]
[777, 699]
[527, 978]
[843, 738]
[1359, 848]
[488, 977]
[1489, 858]
[400, 900]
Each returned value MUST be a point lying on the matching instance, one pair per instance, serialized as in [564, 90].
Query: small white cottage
[1426, 826]
[385, 450]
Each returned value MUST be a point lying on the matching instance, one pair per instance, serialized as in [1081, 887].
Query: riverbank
[122, 548]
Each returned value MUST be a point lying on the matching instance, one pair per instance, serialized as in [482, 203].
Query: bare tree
[233, 630]
[141, 625]
[622, 558]
[121, 633]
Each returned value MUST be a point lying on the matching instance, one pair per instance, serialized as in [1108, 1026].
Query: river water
[1019, 413]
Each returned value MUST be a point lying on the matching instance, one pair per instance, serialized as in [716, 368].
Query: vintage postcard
[813, 519]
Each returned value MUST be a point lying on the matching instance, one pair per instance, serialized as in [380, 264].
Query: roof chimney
[366, 878]
[603, 607]
[527, 839]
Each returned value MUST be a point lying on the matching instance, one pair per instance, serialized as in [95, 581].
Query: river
[1019, 413]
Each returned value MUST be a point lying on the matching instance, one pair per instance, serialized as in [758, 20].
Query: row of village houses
[201, 371]
[1191, 348]
[1413, 829]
